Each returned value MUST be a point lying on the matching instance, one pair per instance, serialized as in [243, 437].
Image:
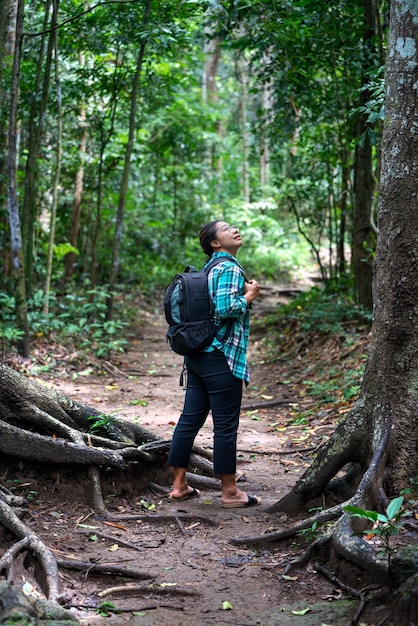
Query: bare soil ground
[196, 576]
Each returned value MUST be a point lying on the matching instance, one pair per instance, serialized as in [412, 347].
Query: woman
[215, 376]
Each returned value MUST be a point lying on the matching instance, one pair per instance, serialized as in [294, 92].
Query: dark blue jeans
[210, 386]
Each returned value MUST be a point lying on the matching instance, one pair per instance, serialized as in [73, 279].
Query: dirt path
[199, 577]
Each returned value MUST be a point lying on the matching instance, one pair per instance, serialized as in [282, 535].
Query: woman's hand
[251, 290]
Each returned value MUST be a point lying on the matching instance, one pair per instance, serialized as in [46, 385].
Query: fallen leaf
[226, 605]
[87, 526]
[86, 372]
[302, 612]
[113, 548]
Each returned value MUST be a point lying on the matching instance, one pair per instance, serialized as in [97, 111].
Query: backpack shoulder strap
[222, 259]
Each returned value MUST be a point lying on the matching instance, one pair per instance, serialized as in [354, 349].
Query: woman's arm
[231, 298]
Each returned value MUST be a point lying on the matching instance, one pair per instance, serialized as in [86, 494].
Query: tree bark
[12, 195]
[241, 65]
[37, 118]
[378, 439]
[71, 257]
[364, 184]
[56, 186]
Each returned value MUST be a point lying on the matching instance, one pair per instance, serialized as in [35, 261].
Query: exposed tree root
[109, 569]
[138, 590]
[344, 533]
[17, 608]
[277, 535]
[311, 550]
[38, 424]
[33, 544]
[362, 595]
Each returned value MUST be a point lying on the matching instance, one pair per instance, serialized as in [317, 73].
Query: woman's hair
[207, 235]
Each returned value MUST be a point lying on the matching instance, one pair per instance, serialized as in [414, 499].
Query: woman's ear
[215, 244]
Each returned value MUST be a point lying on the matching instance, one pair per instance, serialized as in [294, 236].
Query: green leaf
[302, 612]
[226, 605]
[357, 512]
[394, 507]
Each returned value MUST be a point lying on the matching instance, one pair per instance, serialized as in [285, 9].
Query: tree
[363, 232]
[117, 241]
[12, 194]
[377, 442]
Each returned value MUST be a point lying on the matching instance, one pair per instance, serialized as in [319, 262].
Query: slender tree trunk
[364, 184]
[71, 257]
[8, 10]
[12, 197]
[56, 186]
[341, 257]
[267, 101]
[212, 52]
[36, 127]
[242, 72]
[114, 270]
[105, 134]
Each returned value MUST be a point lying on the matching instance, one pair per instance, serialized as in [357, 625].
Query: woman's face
[227, 239]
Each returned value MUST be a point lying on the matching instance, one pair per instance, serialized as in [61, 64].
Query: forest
[128, 125]
[125, 126]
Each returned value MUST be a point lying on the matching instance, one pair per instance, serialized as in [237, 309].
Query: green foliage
[313, 317]
[385, 526]
[188, 155]
[106, 609]
[335, 383]
[318, 311]
[413, 489]
[374, 109]
[324, 311]
[9, 334]
[101, 423]
[79, 318]
[63, 249]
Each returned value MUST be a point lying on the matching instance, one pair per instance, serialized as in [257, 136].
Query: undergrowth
[77, 318]
[322, 338]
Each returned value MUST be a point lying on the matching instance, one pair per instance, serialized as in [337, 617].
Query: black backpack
[189, 310]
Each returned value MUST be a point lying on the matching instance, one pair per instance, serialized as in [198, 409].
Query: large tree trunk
[377, 443]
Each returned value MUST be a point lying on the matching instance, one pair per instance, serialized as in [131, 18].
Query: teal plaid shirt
[226, 288]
